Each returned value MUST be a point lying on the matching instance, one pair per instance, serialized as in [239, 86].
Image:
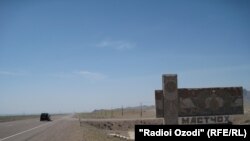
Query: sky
[77, 56]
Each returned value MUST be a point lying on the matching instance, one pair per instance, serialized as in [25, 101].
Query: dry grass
[98, 124]
[121, 124]
[91, 133]
[17, 117]
[102, 127]
[118, 121]
[119, 113]
[242, 119]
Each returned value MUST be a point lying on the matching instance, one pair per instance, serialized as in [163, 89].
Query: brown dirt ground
[113, 121]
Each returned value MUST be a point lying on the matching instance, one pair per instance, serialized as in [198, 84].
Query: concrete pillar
[159, 103]
[170, 92]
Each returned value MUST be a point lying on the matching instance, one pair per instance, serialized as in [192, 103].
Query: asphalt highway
[61, 128]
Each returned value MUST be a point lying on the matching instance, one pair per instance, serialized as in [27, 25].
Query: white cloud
[62, 75]
[91, 75]
[8, 73]
[118, 45]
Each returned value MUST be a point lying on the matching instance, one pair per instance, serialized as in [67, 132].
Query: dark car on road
[45, 117]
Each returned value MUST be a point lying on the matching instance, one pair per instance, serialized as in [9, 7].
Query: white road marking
[55, 121]
[23, 132]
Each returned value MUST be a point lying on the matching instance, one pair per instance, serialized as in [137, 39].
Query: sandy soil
[113, 121]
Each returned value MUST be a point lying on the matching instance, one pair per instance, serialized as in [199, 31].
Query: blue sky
[73, 56]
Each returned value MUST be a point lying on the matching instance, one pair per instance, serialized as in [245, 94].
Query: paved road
[61, 128]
